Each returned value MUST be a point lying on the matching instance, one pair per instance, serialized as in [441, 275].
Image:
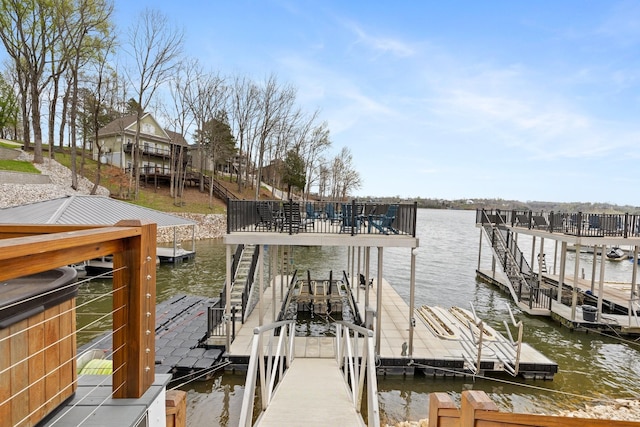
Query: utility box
[37, 345]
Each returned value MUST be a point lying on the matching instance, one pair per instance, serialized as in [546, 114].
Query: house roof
[177, 138]
[124, 123]
[118, 125]
[85, 210]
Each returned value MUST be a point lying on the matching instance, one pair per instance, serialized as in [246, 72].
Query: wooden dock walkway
[326, 400]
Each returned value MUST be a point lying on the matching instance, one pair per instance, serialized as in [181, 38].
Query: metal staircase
[523, 282]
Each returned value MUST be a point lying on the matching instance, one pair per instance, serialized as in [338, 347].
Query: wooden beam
[8, 231]
[134, 300]
[22, 256]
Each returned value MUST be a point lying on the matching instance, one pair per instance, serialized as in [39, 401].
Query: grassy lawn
[18, 166]
[114, 179]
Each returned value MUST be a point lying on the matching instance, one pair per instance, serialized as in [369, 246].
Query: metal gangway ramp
[311, 391]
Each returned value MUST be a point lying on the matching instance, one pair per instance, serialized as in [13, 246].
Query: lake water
[590, 366]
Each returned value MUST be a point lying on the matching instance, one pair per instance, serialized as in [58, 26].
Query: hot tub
[37, 344]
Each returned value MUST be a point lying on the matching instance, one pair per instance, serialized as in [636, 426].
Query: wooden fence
[477, 410]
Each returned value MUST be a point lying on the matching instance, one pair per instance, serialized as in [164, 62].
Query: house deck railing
[334, 217]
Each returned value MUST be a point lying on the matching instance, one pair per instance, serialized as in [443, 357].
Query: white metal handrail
[516, 344]
[279, 354]
[359, 363]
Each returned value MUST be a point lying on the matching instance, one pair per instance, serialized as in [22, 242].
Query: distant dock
[573, 301]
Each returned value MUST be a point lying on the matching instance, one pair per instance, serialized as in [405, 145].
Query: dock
[181, 329]
[615, 300]
[573, 301]
[431, 355]
[174, 255]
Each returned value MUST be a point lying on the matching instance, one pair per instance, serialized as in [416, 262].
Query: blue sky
[447, 99]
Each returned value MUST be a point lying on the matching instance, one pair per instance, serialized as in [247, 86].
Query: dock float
[174, 256]
[181, 329]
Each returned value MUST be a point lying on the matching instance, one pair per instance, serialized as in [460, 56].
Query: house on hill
[159, 148]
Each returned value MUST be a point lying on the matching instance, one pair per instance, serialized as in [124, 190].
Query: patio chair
[266, 220]
[351, 218]
[331, 214]
[384, 223]
[292, 221]
[312, 214]
[539, 221]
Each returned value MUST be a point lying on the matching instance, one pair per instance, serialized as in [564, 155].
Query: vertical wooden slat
[52, 356]
[19, 373]
[134, 312]
[5, 374]
[67, 352]
[36, 366]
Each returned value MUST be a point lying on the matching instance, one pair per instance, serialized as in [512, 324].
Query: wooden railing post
[134, 299]
[472, 401]
[438, 402]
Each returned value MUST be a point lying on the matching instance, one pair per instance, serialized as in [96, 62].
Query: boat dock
[174, 255]
[575, 302]
[431, 355]
[584, 317]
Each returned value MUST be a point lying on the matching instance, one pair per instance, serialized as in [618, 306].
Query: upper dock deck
[587, 228]
[326, 223]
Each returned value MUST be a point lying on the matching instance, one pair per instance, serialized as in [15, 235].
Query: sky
[517, 100]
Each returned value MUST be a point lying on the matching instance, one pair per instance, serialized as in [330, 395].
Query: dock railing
[268, 361]
[31, 249]
[579, 224]
[318, 217]
[356, 357]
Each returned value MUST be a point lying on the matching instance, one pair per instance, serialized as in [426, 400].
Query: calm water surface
[589, 365]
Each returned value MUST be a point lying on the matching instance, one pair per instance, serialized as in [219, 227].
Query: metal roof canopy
[86, 210]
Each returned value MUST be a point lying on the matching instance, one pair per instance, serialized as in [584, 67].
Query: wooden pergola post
[134, 301]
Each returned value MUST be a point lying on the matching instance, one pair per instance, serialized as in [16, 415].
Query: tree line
[68, 69]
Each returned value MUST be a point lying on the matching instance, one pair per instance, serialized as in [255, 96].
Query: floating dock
[174, 256]
[432, 355]
[181, 329]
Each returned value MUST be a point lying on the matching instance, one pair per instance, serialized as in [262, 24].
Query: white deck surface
[312, 393]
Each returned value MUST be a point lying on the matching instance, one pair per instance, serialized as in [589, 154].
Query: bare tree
[155, 47]
[317, 143]
[274, 102]
[345, 177]
[28, 31]
[243, 109]
[88, 36]
[181, 119]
